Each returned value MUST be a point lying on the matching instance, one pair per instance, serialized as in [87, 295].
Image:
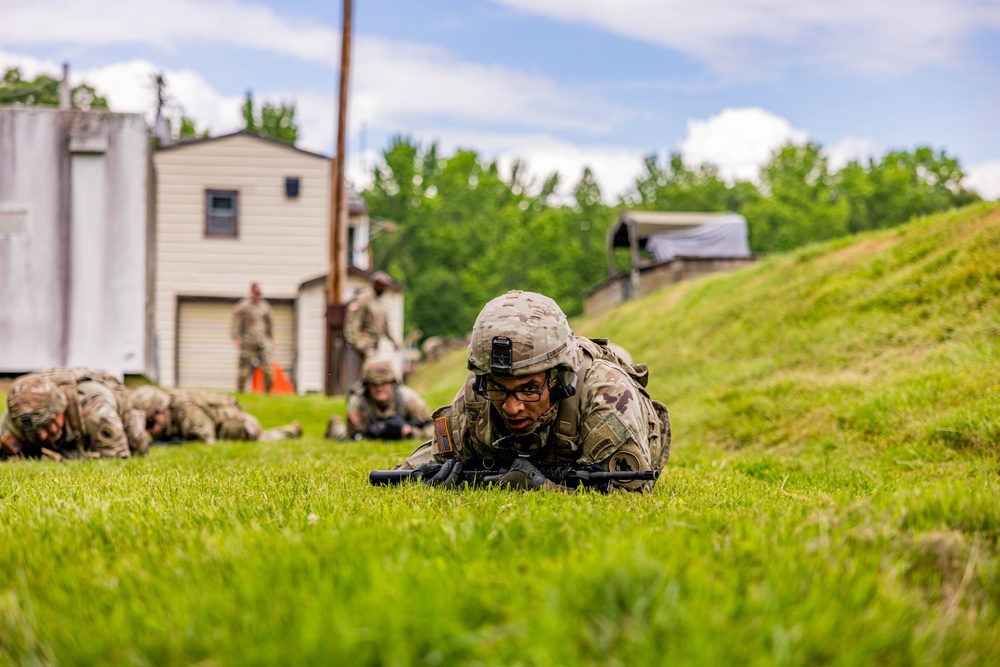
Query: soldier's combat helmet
[34, 400]
[149, 399]
[522, 333]
[377, 371]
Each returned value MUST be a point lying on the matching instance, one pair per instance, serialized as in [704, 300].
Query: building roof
[277, 142]
[649, 223]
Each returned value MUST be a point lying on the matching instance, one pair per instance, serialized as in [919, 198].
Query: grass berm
[833, 497]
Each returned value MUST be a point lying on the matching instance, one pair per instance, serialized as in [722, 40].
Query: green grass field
[833, 497]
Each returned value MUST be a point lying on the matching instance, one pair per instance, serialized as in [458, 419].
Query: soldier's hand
[440, 474]
[426, 470]
[522, 474]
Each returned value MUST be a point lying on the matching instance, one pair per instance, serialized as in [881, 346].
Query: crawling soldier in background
[203, 416]
[70, 413]
[380, 408]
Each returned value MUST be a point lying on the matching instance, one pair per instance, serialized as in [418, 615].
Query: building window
[220, 212]
[292, 187]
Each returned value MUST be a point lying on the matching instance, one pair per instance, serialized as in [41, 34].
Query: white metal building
[74, 240]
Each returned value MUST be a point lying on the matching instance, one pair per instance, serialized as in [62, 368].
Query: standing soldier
[70, 413]
[366, 320]
[382, 409]
[204, 416]
[252, 333]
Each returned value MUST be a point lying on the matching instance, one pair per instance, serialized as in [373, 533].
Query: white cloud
[615, 168]
[738, 141]
[167, 24]
[849, 149]
[755, 36]
[984, 178]
[397, 81]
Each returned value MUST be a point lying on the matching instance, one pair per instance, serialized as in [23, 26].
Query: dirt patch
[866, 248]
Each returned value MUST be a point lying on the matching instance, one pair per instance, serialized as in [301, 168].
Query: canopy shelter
[669, 235]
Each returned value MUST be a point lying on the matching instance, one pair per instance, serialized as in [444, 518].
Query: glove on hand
[425, 471]
[439, 474]
[392, 429]
[522, 474]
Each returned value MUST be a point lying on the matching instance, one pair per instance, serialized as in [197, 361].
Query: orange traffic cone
[280, 385]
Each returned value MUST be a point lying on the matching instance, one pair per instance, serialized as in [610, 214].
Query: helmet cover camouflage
[377, 371]
[150, 399]
[539, 336]
[34, 400]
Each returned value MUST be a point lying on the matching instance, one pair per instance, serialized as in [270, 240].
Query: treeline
[458, 233]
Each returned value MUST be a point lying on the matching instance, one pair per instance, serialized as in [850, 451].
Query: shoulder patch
[441, 435]
[10, 443]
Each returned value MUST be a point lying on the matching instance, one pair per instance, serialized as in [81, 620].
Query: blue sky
[560, 84]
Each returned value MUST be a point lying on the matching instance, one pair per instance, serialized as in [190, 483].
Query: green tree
[189, 130]
[800, 204]
[43, 90]
[465, 233]
[900, 186]
[276, 121]
[677, 187]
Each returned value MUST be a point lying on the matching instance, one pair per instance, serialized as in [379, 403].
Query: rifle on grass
[567, 475]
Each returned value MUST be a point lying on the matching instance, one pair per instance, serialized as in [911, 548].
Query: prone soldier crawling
[204, 416]
[539, 396]
[70, 413]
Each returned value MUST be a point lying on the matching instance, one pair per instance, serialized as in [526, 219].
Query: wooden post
[336, 382]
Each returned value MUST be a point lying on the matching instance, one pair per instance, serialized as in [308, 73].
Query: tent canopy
[669, 235]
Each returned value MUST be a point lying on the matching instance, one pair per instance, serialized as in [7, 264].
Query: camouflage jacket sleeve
[357, 412]
[450, 427]
[417, 413]
[101, 422]
[10, 439]
[268, 328]
[354, 319]
[236, 331]
[615, 421]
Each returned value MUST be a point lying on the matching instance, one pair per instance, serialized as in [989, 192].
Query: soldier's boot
[268, 378]
[336, 429]
[287, 432]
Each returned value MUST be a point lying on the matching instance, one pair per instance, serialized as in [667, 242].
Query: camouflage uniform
[205, 416]
[366, 323]
[252, 327]
[609, 420]
[367, 419]
[98, 418]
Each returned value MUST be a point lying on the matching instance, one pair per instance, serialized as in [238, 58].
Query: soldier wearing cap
[537, 395]
[380, 408]
[253, 336]
[366, 322]
[204, 416]
[69, 413]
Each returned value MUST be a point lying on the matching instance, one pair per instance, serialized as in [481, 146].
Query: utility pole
[337, 277]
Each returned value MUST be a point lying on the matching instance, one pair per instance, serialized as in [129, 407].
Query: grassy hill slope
[887, 339]
[832, 498]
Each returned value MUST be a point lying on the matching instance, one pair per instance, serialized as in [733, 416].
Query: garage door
[206, 355]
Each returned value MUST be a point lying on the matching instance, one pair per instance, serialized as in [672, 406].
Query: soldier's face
[381, 394]
[255, 292]
[520, 416]
[159, 422]
[51, 431]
